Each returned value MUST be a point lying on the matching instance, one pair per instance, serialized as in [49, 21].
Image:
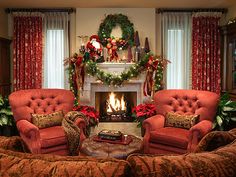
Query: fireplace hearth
[115, 106]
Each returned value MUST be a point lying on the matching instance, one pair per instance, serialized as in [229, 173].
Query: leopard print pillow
[180, 121]
[47, 120]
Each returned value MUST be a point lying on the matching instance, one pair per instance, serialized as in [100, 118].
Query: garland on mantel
[153, 65]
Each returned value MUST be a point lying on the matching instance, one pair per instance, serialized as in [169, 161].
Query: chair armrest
[154, 122]
[151, 124]
[197, 132]
[80, 123]
[82, 126]
[30, 135]
[28, 129]
[202, 128]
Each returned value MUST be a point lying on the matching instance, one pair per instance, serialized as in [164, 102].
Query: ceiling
[117, 3]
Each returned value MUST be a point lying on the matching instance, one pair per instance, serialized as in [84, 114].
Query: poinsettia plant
[90, 112]
[142, 112]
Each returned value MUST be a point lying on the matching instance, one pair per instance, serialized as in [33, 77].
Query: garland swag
[149, 63]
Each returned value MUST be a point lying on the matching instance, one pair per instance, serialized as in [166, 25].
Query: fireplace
[115, 106]
[95, 88]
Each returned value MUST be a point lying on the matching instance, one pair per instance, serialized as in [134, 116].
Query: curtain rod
[223, 10]
[10, 10]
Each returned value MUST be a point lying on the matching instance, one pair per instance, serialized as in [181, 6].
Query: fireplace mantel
[92, 85]
[114, 67]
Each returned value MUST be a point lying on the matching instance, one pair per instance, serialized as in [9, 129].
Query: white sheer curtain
[176, 47]
[56, 49]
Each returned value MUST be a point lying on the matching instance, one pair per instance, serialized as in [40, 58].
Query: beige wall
[3, 24]
[232, 12]
[89, 19]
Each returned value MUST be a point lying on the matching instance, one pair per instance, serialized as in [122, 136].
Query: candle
[136, 56]
[125, 137]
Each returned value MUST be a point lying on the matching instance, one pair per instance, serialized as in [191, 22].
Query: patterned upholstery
[13, 143]
[24, 103]
[218, 163]
[14, 163]
[161, 139]
[27, 165]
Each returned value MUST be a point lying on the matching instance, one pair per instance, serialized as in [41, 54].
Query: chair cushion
[170, 136]
[47, 120]
[52, 136]
[180, 121]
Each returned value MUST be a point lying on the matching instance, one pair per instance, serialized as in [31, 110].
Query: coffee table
[104, 149]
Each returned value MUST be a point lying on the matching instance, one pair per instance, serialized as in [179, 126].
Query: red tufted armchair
[43, 101]
[159, 139]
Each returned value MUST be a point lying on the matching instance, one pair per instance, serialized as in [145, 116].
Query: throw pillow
[47, 120]
[180, 121]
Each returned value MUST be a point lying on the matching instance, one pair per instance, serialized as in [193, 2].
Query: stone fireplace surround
[91, 86]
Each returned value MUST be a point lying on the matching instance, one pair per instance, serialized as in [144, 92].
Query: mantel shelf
[114, 65]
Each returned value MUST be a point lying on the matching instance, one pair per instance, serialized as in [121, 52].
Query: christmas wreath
[109, 23]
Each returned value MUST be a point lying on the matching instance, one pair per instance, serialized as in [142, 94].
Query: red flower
[90, 112]
[143, 111]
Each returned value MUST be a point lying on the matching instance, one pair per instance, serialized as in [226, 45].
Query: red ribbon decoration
[78, 76]
[151, 67]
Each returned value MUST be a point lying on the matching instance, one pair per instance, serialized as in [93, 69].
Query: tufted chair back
[187, 102]
[40, 101]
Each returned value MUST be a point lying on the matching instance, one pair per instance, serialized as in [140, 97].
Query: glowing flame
[115, 104]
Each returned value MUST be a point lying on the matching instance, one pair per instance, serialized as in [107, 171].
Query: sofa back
[203, 103]
[14, 163]
[220, 162]
[40, 101]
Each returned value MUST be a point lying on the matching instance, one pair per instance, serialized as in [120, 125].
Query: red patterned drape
[27, 52]
[206, 53]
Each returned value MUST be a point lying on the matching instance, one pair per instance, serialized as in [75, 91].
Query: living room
[116, 88]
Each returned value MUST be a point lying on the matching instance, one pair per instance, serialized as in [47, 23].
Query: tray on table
[121, 141]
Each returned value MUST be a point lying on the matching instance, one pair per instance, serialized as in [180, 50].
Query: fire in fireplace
[115, 106]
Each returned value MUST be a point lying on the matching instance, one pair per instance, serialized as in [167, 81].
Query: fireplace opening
[115, 106]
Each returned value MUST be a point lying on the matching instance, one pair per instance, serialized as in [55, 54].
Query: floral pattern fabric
[206, 53]
[218, 163]
[27, 52]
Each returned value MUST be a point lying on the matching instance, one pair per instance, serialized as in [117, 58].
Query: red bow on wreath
[151, 67]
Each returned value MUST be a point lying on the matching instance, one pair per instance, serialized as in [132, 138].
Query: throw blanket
[72, 131]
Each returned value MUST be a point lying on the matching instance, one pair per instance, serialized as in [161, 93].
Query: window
[175, 53]
[54, 56]
[176, 47]
[56, 49]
